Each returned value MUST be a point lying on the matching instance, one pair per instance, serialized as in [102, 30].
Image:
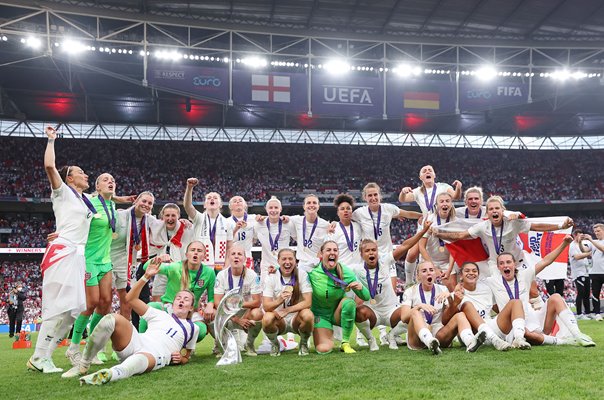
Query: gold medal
[441, 249]
[137, 247]
[288, 289]
[114, 235]
[373, 302]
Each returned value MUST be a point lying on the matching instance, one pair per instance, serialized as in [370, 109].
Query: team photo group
[172, 271]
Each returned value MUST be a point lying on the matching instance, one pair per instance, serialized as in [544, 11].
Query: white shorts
[492, 323]
[383, 315]
[120, 277]
[64, 268]
[535, 319]
[159, 285]
[137, 345]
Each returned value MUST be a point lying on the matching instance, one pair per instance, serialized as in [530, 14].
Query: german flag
[422, 100]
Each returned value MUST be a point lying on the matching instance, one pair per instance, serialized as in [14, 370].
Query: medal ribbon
[84, 199]
[376, 230]
[199, 271]
[430, 204]
[274, 242]
[440, 241]
[212, 229]
[312, 232]
[349, 240]
[231, 280]
[423, 297]
[334, 278]
[516, 294]
[479, 213]
[110, 218]
[496, 242]
[184, 330]
[292, 280]
[372, 288]
[244, 217]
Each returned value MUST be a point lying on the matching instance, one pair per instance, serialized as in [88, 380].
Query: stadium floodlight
[32, 42]
[336, 66]
[486, 73]
[561, 75]
[72, 47]
[406, 70]
[254, 62]
[4, 38]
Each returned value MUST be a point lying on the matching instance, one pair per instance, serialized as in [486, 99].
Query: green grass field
[549, 372]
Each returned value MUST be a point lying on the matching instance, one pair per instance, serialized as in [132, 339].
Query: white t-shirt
[273, 285]
[369, 226]
[597, 259]
[165, 336]
[412, 298]
[439, 259]
[385, 296]
[346, 256]
[251, 282]
[460, 212]
[309, 246]
[203, 226]
[418, 195]
[524, 279]
[119, 245]
[161, 244]
[268, 256]
[577, 267]
[509, 240]
[482, 298]
[72, 216]
[243, 236]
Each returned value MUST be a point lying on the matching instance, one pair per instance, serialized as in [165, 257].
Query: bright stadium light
[254, 62]
[406, 70]
[336, 66]
[561, 75]
[73, 47]
[486, 73]
[32, 42]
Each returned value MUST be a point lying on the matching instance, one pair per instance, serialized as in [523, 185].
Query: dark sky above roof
[496, 19]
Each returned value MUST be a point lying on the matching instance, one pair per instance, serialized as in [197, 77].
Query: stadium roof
[520, 36]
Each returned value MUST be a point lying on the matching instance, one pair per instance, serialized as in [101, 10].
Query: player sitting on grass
[159, 346]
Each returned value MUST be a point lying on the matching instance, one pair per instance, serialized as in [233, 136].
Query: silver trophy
[229, 306]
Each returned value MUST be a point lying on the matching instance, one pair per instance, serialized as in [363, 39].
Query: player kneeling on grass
[249, 318]
[475, 299]
[432, 322]
[330, 282]
[286, 300]
[161, 345]
[513, 283]
[383, 308]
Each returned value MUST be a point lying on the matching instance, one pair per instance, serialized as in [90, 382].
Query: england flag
[271, 88]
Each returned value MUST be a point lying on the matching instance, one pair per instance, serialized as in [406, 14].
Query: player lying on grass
[162, 344]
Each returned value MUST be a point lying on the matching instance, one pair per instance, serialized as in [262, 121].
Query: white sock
[382, 329]
[551, 340]
[466, 336]
[98, 338]
[364, 328]
[570, 322]
[45, 338]
[409, 272]
[399, 329]
[253, 331]
[61, 331]
[518, 326]
[133, 365]
[272, 337]
[74, 346]
[487, 330]
[425, 336]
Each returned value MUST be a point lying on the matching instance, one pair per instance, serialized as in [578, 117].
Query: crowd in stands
[257, 170]
[28, 273]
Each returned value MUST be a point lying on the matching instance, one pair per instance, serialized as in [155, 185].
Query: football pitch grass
[545, 372]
